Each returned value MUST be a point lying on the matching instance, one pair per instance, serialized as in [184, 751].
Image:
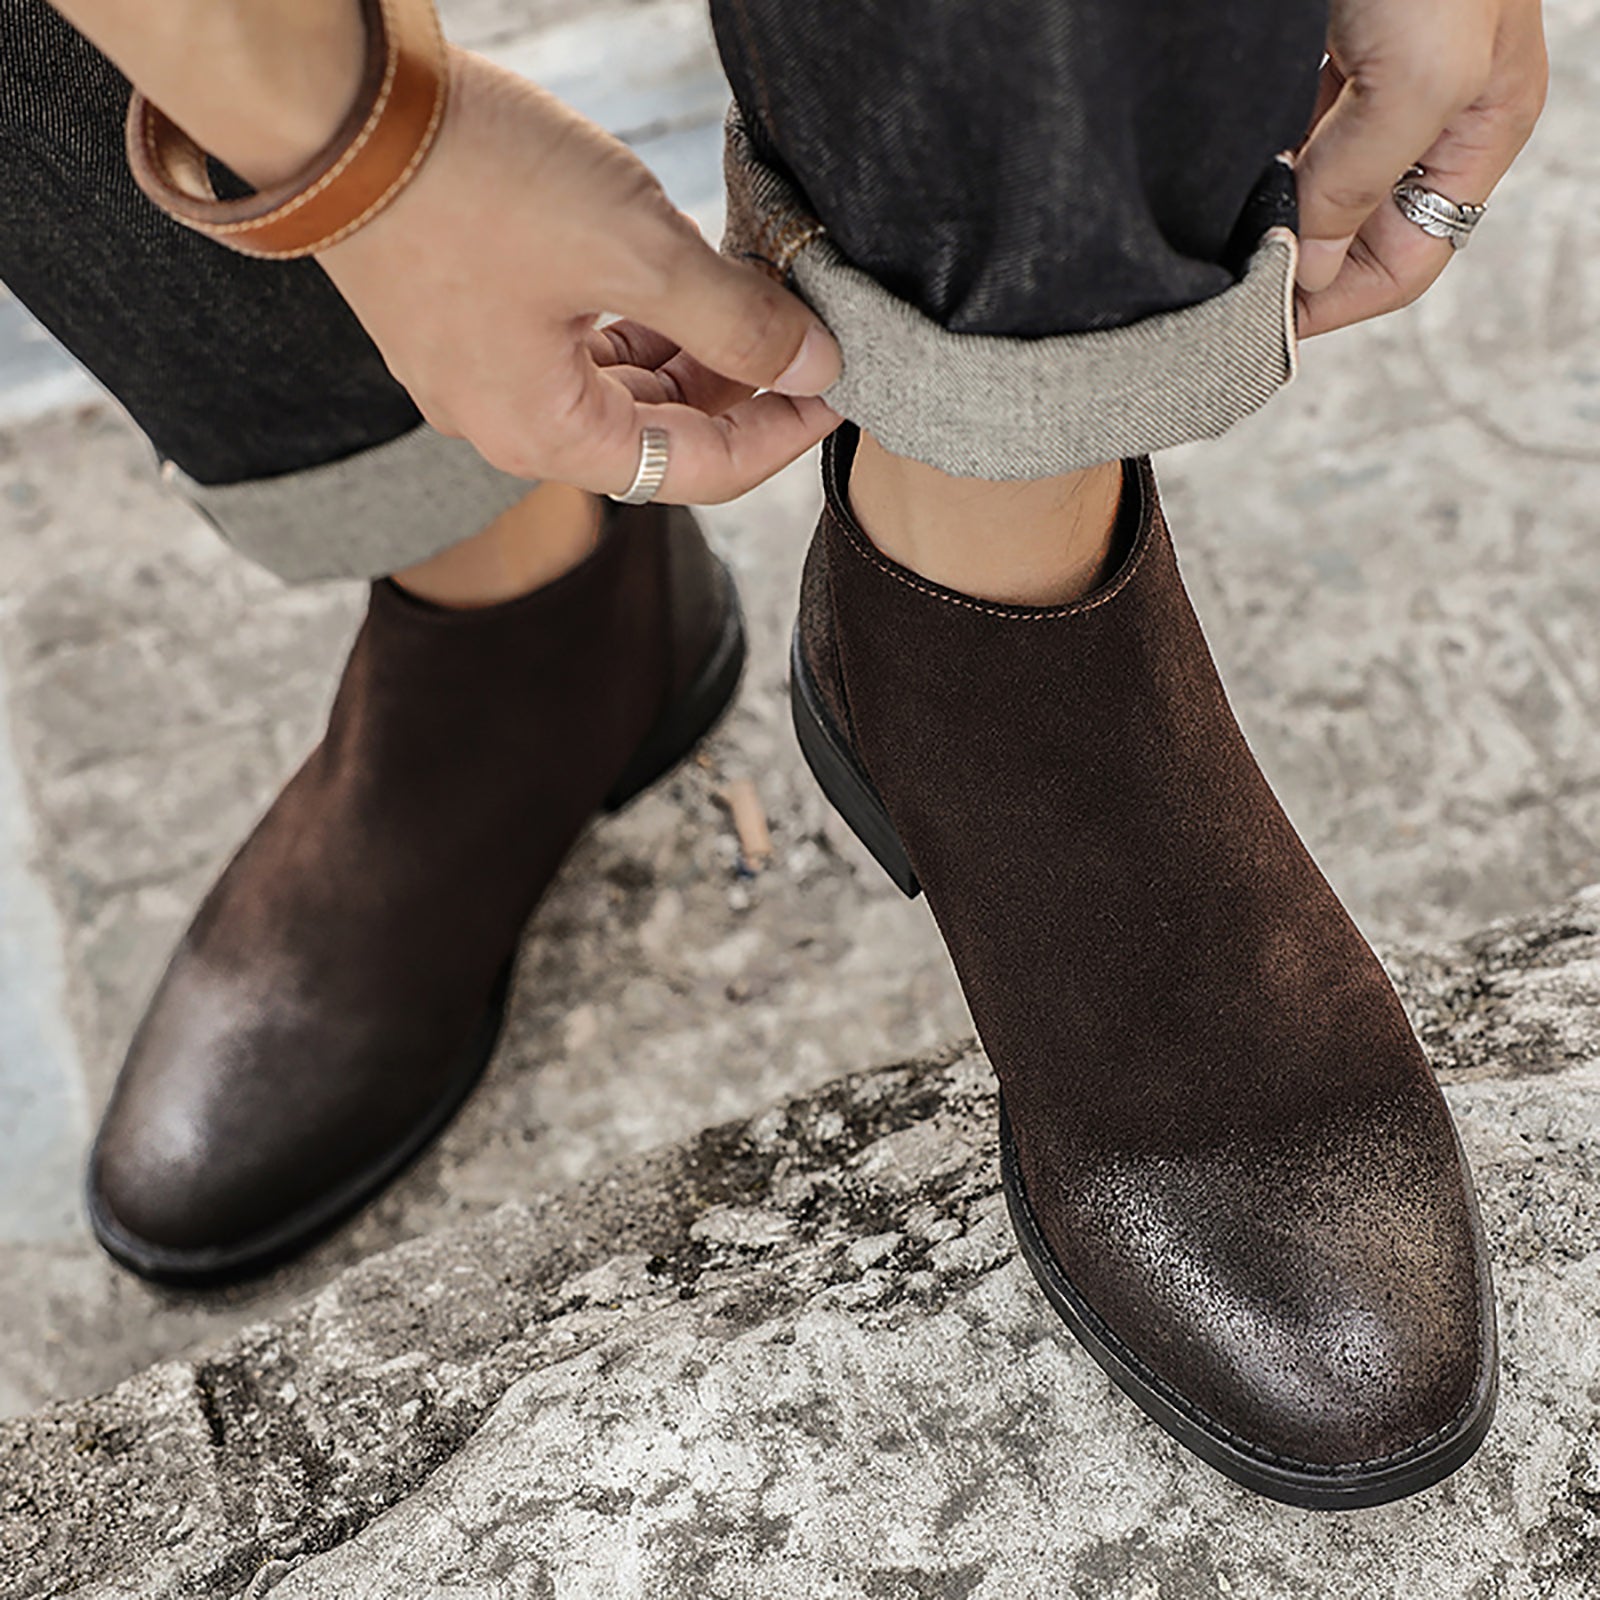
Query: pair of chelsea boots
[1228, 1165]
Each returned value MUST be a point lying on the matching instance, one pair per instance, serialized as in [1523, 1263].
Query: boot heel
[847, 787]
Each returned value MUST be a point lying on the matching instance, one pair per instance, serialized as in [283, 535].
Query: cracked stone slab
[797, 1356]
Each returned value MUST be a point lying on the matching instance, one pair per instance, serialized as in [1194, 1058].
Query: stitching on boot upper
[870, 553]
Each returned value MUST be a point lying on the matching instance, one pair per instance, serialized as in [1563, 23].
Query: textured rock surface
[798, 1357]
[1396, 563]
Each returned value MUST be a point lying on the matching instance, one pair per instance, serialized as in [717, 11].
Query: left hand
[1454, 86]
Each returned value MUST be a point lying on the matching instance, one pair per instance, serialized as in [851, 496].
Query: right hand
[1454, 85]
[482, 281]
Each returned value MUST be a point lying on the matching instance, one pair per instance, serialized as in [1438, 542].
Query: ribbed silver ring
[1434, 213]
[652, 471]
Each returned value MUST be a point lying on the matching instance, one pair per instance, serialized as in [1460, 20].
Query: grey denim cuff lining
[363, 517]
[1002, 408]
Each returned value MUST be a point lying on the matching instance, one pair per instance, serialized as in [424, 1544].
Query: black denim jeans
[1006, 167]
[1030, 167]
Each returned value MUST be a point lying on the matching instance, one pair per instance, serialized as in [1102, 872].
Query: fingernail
[1320, 260]
[815, 368]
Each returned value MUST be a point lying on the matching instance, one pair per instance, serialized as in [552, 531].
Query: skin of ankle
[544, 535]
[1042, 542]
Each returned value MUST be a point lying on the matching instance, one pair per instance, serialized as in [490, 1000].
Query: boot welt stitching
[1261, 1452]
[1197, 1414]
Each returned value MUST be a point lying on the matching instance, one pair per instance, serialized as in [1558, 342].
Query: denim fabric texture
[380, 510]
[997, 407]
[1028, 167]
[1014, 170]
[234, 368]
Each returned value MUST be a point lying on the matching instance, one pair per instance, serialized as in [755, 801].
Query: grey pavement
[1396, 563]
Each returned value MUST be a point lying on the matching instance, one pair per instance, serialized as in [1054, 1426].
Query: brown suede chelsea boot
[342, 987]
[1226, 1159]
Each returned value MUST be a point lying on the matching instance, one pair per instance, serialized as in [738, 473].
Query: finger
[682, 381]
[1476, 149]
[702, 388]
[1330, 81]
[710, 459]
[736, 320]
[1379, 125]
[1394, 261]
[594, 442]
[646, 385]
[629, 344]
[682, 377]
[715, 459]
[1389, 264]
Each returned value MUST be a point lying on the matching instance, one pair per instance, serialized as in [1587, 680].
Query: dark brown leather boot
[1227, 1161]
[342, 987]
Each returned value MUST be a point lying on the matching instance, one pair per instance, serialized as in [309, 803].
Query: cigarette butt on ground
[743, 801]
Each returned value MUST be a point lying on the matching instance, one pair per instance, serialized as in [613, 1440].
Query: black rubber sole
[673, 739]
[1312, 1488]
[1304, 1485]
[215, 1269]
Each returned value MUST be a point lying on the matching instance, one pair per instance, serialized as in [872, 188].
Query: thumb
[735, 320]
[1356, 154]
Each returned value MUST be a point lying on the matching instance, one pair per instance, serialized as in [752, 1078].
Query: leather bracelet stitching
[224, 231]
[401, 180]
[362, 139]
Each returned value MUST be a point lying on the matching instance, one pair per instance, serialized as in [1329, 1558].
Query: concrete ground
[1396, 563]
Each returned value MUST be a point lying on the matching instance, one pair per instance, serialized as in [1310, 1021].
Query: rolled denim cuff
[365, 516]
[980, 406]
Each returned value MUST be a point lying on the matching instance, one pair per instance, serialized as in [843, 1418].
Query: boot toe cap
[240, 1129]
[164, 1194]
[1288, 1323]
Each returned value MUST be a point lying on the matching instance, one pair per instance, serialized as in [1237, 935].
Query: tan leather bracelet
[375, 154]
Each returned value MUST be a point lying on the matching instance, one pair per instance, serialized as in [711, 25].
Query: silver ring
[1434, 213]
[652, 471]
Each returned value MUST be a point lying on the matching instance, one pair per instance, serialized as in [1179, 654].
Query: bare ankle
[1045, 542]
[545, 534]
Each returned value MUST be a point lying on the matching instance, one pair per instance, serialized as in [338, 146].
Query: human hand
[1454, 86]
[481, 285]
